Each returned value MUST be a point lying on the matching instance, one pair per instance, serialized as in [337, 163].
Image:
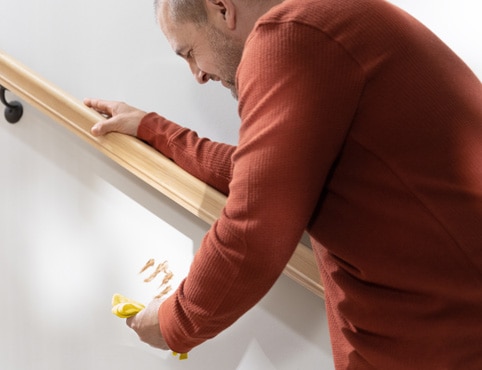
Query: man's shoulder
[314, 11]
[330, 16]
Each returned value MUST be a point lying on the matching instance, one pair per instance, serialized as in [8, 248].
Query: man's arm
[206, 160]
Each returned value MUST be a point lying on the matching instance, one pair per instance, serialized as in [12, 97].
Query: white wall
[75, 227]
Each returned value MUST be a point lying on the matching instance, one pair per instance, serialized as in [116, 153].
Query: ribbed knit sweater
[361, 127]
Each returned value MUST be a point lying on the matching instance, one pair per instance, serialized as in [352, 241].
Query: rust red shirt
[360, 126]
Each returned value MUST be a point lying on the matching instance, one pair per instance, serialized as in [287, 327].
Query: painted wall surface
[76, 228]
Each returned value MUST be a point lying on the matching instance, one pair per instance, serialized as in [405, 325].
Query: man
[357, 125]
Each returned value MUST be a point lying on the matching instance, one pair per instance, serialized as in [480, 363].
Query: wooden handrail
[138, 158]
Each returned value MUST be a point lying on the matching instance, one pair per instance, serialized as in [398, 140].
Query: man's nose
[200, 76]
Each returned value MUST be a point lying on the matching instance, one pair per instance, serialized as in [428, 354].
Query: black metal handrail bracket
[13, 110]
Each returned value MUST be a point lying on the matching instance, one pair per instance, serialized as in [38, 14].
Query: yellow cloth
[124, 307]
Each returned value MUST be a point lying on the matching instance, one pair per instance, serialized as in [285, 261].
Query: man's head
[210, 34]
[184, 11]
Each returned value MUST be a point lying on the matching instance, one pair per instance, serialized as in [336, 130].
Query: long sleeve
[207, 160]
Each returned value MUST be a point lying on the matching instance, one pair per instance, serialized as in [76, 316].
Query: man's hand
[120, 117]
[146, 325]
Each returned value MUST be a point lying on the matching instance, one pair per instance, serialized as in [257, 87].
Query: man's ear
[222, 12]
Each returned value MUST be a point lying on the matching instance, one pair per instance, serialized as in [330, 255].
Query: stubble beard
[229, 52]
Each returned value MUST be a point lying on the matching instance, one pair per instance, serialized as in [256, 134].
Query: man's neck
[250, 11]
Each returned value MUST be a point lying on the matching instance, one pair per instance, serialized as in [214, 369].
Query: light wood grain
[137, 157]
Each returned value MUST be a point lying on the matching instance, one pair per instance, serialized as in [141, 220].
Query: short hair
[184, 11]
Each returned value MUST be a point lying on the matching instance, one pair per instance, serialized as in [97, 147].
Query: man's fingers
[146, 325]
[120, 117]
[102, 106]
[96, 130]
[129, 321]
[106, 126]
